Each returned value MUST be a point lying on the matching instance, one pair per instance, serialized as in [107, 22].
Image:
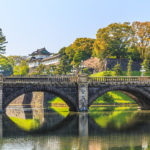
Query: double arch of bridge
[78, 94]
[140, 95]
[65, 93]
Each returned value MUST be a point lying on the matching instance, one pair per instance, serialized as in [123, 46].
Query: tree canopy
[64, 66]
[2, 42]
[123, 41]
[21, 69]
[80, 50]
[141, 37]
[113, 40]
[5, 66]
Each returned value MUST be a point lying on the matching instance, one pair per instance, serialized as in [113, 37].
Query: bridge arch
[58, 92]
[141, 97]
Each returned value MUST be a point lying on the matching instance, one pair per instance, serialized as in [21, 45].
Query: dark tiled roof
[41, 51]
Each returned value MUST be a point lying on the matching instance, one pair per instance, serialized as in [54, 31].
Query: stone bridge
[78, 92]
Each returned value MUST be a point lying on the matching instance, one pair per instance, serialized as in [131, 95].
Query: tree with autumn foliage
[113, 40]
[141, 37]
[80, 50]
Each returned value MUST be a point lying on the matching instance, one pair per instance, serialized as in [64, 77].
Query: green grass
[99, 74]
[57, 100]
[26, 124]
[55, 105]
[112, 73]
[116, 96]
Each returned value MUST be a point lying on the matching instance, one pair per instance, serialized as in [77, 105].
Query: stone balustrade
[39, 79]
[74, 79]
[119, 79]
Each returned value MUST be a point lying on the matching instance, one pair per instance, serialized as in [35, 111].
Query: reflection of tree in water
[118, 118]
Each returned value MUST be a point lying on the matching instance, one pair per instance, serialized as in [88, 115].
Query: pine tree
[117, 69]
[2, 42]
[129, 68]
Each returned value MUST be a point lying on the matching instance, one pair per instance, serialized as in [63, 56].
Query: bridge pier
[83, 92]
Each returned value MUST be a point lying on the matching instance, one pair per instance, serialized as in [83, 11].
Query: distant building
[37, 56]
[51, 60]
[40, 53]
[42, 56]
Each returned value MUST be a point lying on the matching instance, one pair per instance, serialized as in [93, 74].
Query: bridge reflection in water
[120, 128]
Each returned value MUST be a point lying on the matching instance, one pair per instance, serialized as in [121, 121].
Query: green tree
[5, 67]
[117, 69]
[14, 60]
[50, 69]
[40, 70]
[24, 68]
[64, 66]
[81, 49]
[146, 64]
[107, 73]
[21, 69]
[16, 71]
[133, 53]
[2, 42]
[86, 70]
[129, 68]
[78, 57]
[141, 37]
[113, 40]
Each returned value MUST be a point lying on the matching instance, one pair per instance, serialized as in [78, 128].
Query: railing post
[83, 92]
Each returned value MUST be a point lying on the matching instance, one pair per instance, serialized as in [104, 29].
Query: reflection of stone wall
[18, 100]
[37, 99]
[16, 113]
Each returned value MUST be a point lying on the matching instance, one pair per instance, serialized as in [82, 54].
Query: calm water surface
[117, 128]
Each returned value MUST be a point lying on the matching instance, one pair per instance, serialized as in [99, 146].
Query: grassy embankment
[112, 73]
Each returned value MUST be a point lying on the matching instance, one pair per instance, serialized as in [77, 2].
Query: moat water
[104, 128]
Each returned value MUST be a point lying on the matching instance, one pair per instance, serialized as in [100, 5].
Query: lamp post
[142, 70]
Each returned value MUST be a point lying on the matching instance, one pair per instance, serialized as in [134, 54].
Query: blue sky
[32, 24]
